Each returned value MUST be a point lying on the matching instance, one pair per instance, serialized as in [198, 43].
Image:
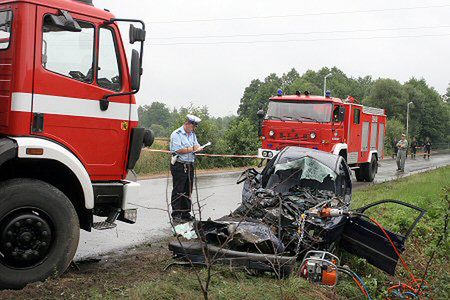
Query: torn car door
[365, 239]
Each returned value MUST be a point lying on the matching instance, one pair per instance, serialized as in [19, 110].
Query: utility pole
[325, 83]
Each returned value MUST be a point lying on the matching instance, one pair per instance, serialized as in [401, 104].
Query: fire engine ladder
[109, 222]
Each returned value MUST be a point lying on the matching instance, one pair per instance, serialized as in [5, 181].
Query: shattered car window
[310, 169]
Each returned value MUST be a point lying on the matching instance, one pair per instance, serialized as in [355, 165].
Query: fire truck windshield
[300, 111]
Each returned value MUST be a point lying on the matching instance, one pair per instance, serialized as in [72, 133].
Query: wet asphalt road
[218, 193]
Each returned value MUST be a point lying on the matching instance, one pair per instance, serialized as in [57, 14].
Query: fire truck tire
[359, 174]
[367, 171]
[39, 232]
[372, 169]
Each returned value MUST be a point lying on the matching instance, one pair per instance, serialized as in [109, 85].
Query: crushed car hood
[269, 220]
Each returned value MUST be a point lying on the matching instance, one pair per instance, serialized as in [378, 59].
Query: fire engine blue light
[280, 92]
[315, 148]
[328, 94]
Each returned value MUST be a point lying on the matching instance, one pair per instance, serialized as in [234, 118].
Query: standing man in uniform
[427, 148]
[413, 148]
[183, 145]
[402, 146]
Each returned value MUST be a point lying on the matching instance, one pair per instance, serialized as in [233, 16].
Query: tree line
[429, 112]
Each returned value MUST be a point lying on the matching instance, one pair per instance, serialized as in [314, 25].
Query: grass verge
[138, 274]
[154, 164]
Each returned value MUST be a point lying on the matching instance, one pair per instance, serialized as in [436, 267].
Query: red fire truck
[342, 127]
[68, 131]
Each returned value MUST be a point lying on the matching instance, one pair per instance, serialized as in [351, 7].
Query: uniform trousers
[401, 157]
[183, 182]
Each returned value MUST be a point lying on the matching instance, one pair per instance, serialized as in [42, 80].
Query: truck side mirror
[149, 138]
[135, 70]
[260, 114]
[136, 34]
[341, 115]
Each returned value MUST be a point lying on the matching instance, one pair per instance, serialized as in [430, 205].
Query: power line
[296, 33]
[302, 15]
[302, 40]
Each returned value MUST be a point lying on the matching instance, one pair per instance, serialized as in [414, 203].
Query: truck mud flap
[363, 238]
[192, 251]
[136, 142]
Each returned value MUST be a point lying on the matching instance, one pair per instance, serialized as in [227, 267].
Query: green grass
[428, 191]
[157, 163]
[151, 163]
[181, 284]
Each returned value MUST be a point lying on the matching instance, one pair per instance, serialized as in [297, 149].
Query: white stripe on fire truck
[71, 107]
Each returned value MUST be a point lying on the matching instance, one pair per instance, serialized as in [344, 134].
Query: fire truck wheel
[372, 169]
[359, 174]
[39, 232]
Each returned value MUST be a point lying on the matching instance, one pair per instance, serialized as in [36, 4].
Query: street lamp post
[325, 83]
[407, 120]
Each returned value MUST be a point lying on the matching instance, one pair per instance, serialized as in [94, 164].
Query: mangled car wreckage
[299, 202]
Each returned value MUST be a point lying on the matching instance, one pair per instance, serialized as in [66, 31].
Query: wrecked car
[280, 220]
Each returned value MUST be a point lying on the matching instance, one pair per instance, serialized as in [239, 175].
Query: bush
[241, 138]
[394, 129]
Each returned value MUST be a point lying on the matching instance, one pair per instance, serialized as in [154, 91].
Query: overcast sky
[207, 51]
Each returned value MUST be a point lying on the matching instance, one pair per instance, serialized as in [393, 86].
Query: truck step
[104, 225]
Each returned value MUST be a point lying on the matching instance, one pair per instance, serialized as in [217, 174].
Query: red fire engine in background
[68, 131]
[342, 127]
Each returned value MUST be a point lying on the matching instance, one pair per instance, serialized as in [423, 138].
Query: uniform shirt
[402, 145]
[179, 139]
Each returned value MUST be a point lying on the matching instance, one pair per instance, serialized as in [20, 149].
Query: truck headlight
[271, 133]
[313, 135]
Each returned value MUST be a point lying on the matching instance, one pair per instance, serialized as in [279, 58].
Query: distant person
[183, 145]
[402, 147]
[427, 148]
[394, 148]
[413, 148]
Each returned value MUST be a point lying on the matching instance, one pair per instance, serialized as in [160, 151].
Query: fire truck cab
[68, 131]
[342, 127]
